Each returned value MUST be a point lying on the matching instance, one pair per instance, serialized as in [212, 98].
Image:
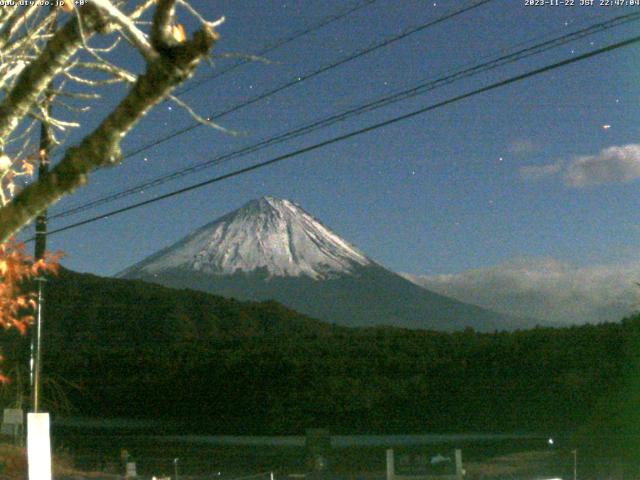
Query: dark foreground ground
[232, 456]
[202, 460]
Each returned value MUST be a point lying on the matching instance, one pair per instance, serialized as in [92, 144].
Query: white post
[38, 446]
[391, 469]
[131, 471]
[459, 471]
[271, 477]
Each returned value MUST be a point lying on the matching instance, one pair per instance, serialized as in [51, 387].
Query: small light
[606, 127]
[550, 441]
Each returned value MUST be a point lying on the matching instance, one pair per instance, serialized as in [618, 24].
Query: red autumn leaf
[27, 167]
[16, 267]
[38, 267]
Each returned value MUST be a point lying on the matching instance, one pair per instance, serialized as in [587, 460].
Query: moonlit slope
[268, 234]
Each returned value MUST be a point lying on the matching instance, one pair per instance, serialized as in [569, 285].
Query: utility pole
[38, 424]
[40, 247]
[46, 142]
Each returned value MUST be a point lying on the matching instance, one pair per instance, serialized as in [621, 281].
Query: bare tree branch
[163, 21]
[14, 22]
[35, 78]
[131, 32]
[199, 118]
[143, 7]
[175, 63]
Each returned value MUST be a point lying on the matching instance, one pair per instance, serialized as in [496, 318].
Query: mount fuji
[272, 249]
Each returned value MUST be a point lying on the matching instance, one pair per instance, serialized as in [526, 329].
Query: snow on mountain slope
[271, 249]
[266, 234]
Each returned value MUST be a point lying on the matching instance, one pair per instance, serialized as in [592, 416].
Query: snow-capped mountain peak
[271, 249]
[267, 234]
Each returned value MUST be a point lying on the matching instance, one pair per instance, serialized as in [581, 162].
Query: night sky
[544, 168]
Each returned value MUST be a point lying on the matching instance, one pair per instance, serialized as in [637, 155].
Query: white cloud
[536, 172]
[545, 289]
[616, 164]
[612, 165]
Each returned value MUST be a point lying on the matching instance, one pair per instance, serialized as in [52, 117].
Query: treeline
[129, 349]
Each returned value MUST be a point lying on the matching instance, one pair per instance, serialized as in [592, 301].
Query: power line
[358, 132]
[322, 23]
[369, 106]
[279, 43]
[299, 79]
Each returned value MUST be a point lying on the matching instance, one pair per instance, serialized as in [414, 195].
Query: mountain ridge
[272, 249]
[268, 232]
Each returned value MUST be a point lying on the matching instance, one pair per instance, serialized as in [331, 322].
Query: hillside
[223, 366]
